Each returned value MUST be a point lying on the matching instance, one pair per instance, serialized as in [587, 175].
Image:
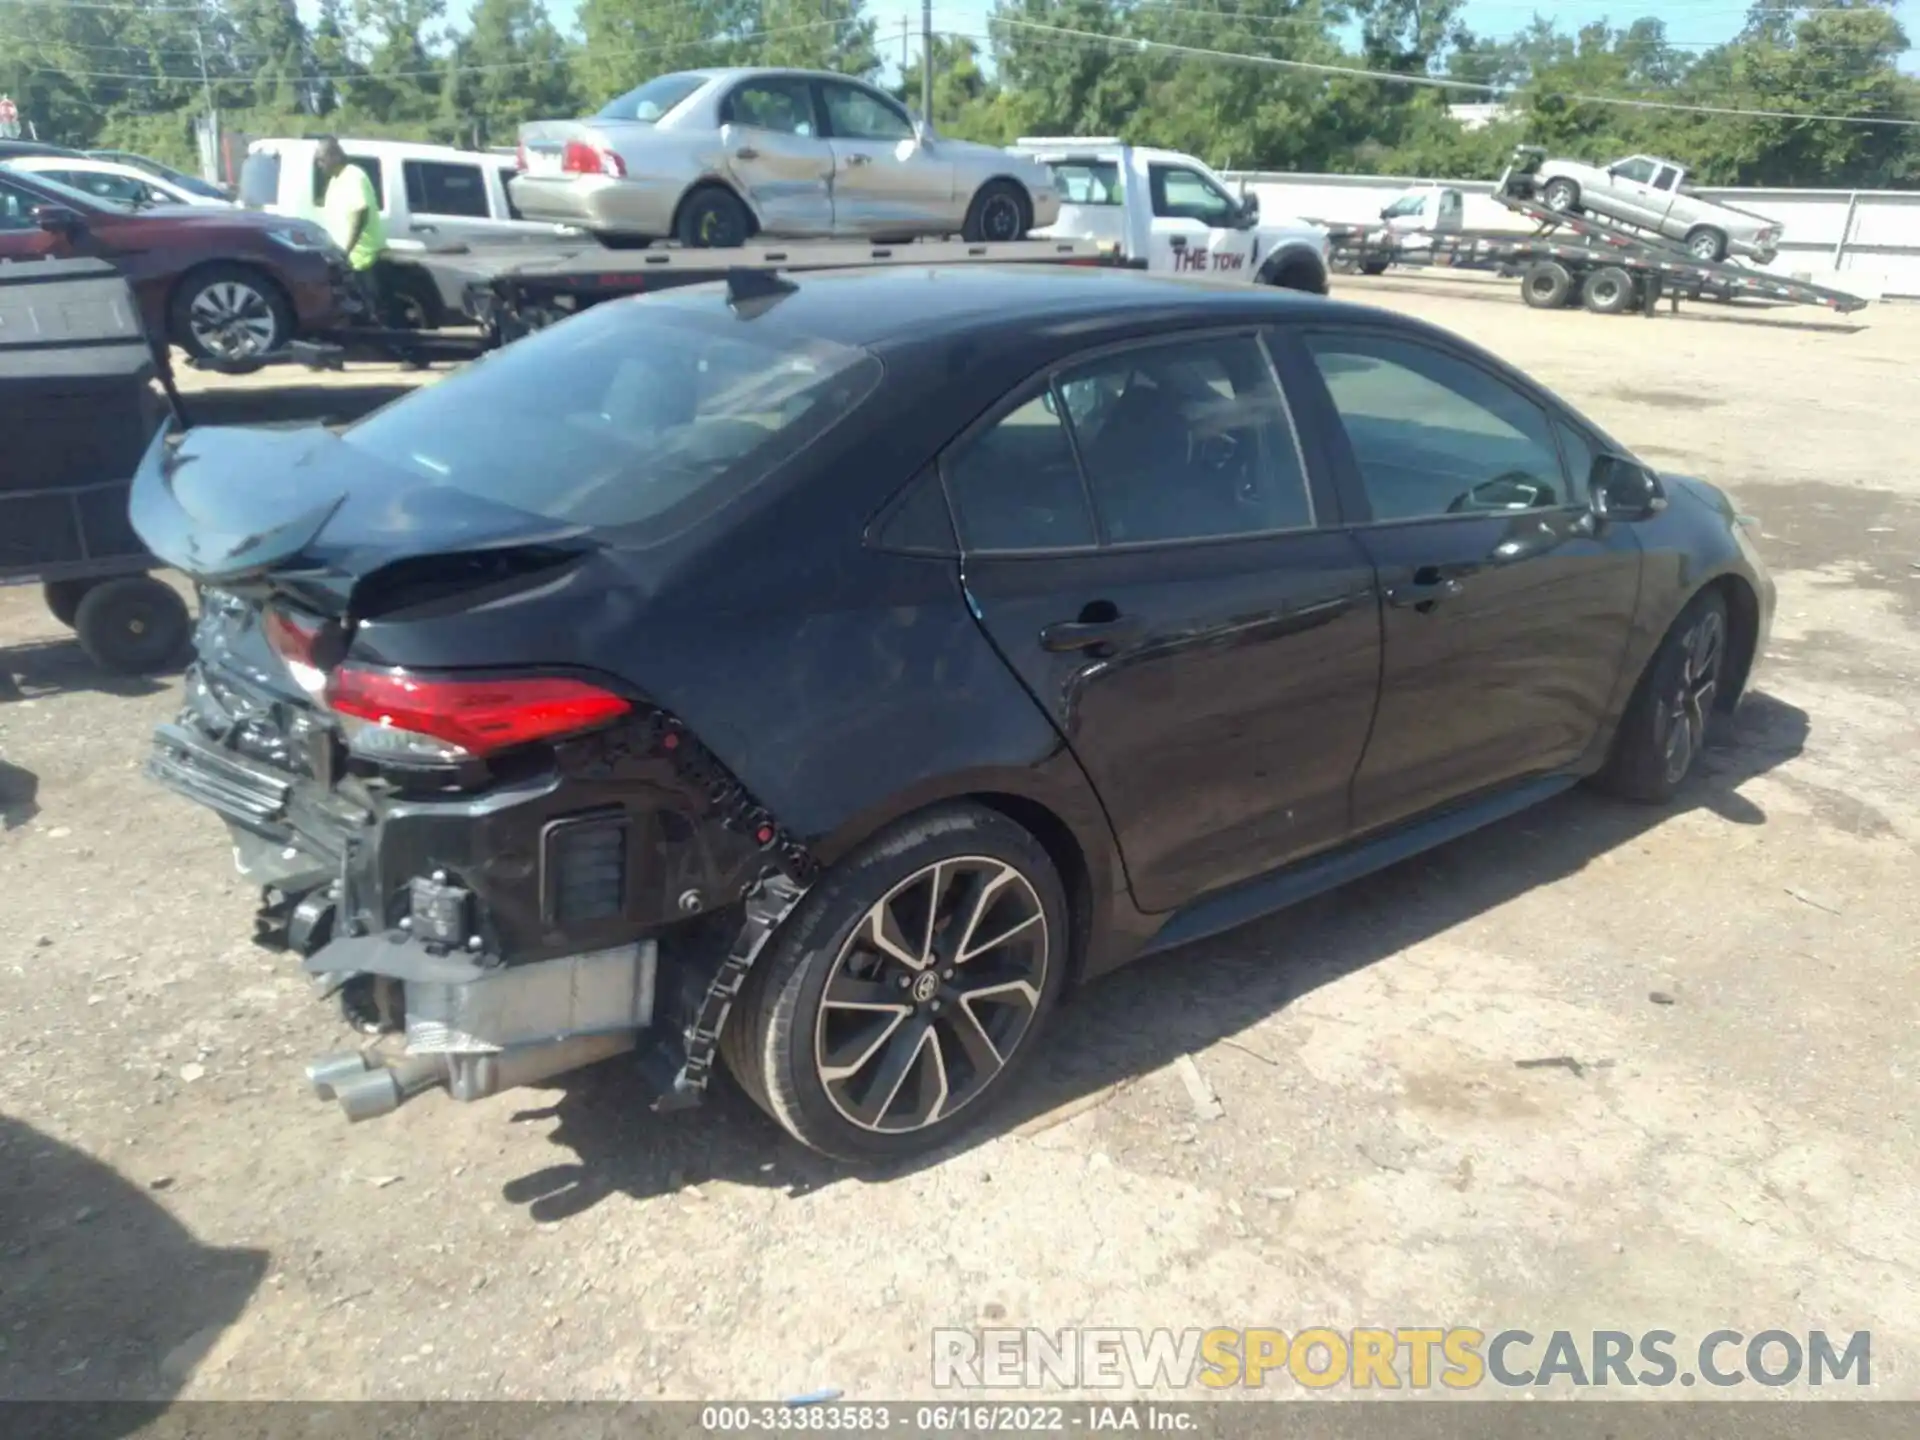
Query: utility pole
[213, 114]
[904, 23]
[926, 60]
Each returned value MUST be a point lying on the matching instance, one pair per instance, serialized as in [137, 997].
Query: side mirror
[922, 132]
[1250, 208]
[1622, 489]
[59, 220]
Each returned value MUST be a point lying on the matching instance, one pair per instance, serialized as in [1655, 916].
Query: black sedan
[821, 675]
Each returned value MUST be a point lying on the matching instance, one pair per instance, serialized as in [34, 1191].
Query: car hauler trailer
[1578, 259]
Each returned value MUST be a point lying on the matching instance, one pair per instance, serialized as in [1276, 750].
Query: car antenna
[753, 292]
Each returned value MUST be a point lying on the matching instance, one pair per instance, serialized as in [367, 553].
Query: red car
[228, 285]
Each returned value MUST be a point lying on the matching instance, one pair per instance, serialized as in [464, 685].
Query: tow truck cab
[1170, 213]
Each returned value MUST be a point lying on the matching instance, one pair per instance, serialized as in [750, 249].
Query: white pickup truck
[1173, 214]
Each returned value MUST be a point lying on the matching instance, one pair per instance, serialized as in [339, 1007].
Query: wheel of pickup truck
[230, 313]
[1546, 285]
[903, 996]
[1000, 211]
[1706, 243]
[1561, 195]
[134, 625]
[63, 598]
[1608, 291]
[712, 217]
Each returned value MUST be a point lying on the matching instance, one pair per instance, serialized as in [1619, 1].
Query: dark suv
[228, 285]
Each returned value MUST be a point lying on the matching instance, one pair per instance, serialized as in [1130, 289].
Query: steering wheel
[1515, 490]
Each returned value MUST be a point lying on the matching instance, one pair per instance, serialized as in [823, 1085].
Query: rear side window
[435, 187]
[1016, 486]
[650, 413]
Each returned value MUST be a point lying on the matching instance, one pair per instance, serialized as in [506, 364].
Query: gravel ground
[1728, 1140]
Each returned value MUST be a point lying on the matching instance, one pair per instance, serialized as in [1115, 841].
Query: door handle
[1064, 636]
[420, 229]
[1423, 595]
[859, 160]
[746, 152]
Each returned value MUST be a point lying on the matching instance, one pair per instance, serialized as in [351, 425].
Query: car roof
[903, 306]
[403, 149]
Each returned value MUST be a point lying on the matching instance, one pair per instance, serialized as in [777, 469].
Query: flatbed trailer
[1577, 259]
[505, 291]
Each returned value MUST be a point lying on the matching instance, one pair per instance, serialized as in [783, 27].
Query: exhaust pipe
[520, 1027]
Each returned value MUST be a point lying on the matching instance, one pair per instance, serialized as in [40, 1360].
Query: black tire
[231, 313]
[1546, 285]
[777, 1038]
[1706, 243]
[1561, 194]
[1608, 291]
[1000, 212]
[1297, 273]
[135, 625]
[1666, 722]
[712, 218]
[63, 598]
[1373, 267]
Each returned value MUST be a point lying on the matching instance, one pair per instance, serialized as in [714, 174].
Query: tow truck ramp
[1579, 259]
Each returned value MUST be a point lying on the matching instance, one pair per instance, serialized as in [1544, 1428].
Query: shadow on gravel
[56, 667]
[103, 1294]
[1145, 1016]
[19, 796]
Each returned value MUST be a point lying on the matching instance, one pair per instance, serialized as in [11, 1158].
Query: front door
[1141, 544]
[885, 181]
[1197, 227]
[1631, 186]
[1507, 607]
[776, 155]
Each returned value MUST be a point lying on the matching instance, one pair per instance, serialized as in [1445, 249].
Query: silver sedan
[711, 157]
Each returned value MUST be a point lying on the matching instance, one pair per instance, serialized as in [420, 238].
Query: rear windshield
[653, 99]
[1088, 182]
[653, 411]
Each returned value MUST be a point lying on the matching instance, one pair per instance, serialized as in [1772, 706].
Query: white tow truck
[1169, 213]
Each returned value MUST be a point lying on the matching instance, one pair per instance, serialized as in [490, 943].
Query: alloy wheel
[932, 994]
[232, 321]
[1704, 247]
[1689, 704]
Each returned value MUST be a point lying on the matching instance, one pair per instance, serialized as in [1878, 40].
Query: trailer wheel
[63, 598]
[1706, 243]
[1546, 285]
[134, 625]
[1373, 267]
[1608, 291]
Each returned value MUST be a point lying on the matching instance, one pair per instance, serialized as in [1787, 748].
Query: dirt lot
[1732, 979]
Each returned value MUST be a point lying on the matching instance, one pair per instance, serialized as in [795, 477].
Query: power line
[1435, 82]
[529, 64]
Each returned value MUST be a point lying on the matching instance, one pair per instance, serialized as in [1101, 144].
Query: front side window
[1183, 194]
[97, 182]
[634, 413]
[857, 114]
[1190, 441]
[784, 106]
[1639, 169]
[1434, 435]
[437, 188]
[16, 208]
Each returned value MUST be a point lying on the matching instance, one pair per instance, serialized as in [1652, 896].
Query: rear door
[884, 180]
[1142, 543]
[771, 135]
[1197, 228]
[1507, 607]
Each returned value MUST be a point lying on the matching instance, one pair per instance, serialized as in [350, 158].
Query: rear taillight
[580, 158]
[403, 718]
[293, 639]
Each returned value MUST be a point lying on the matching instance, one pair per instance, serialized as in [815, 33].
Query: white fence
[1864, 241]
